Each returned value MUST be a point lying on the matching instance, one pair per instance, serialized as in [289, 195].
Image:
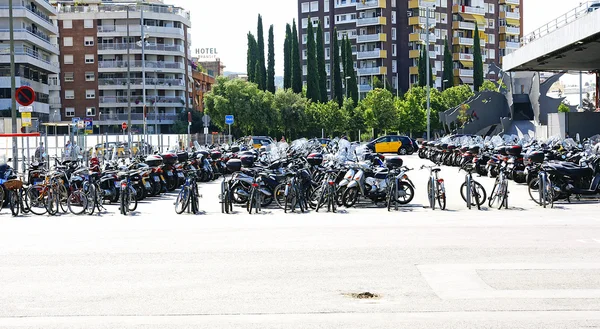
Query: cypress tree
[448, 68]
[349, 72]
[312, 77]
[336, 85]
[296, 68]
[321, 65]
[422, 68]
[287, 61]
[271, 62]
[258, 72]
[477, 61]
[343, 57]
[251, 58]
[262, 82]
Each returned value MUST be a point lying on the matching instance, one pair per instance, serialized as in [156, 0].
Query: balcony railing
[510, 2]
[371, 54]
[123, 8]
[29, 52]
[139, 81]
[464, 72]
[371, 37]
[370, 4]
[513, 15]
[464, 25]
[125, 46]
[510, 44]
[371, 21]
[136, 28]
[29, 30]
[463, 41]
[372, 70]
[137, 100]
[464, 57]
[468, 10]
[364, 88]
[149, 64]
[138, 116]
[510, 30]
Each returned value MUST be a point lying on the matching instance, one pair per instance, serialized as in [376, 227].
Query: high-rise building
[387, 35]
[100, 42]
[36, 55]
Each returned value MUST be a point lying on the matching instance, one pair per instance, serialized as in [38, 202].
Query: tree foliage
[321, 65]
[456, 95]
[271, 62]
[291, 108]
[477, 61]
[448, 74]
[336, 77]
[352, 84]
[287, 60]
[379, 110]
[563, 108]
[296, 68]
[262, 73]
[251, 57]
[312, 78]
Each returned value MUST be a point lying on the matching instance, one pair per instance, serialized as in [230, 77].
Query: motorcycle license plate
[180, 174]
[156, 179]
[170, 173]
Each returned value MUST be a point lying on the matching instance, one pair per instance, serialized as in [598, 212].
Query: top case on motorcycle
[572, 171]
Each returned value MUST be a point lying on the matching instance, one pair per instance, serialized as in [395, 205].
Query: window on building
[67, 24]
[491, 8]
[304, 54]
[394, 67]
[328, 68]
[491, 23]
[393, 3]
[315, 21]
[305, 7]
[393, 33]
[304, 70]
[327, 22]
[69, 77]
[393, 17]
[314, 6]
[326, 6]
[304, 38]
[394, 49]
[88, 41]
[90, 94]
[68, 41]
[492, 53]
[327, 38]
[89, 58]
[69, 111]
[69, 94]
[88, 23]
[68, 59]
[90, 111]
[90, 76]
[304, 23]
[327, 53]
[442, 4]
[444, 18]
[491, 39]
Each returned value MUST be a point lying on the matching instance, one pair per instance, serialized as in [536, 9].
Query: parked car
[324, 141]
[593, 7]
[393, 144]
[260, 141]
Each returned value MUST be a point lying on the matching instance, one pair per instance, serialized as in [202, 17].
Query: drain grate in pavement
[363, 295]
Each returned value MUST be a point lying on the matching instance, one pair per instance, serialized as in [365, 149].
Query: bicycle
[254, 200]
[435, 187]
[541, 190]
[471, 189]
[499, 195]
[226, 198]
[328, 192]
[14, 196]
[45, 197]
[188, 195]
[398, 192]
[128, 201]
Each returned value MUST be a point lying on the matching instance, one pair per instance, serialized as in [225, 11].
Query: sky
[224, 24]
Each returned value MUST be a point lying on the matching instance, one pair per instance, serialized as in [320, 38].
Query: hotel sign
[207, 53]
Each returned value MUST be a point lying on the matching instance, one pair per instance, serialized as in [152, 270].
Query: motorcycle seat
[572, 171]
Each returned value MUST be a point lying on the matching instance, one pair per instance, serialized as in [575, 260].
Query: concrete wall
[587, 124]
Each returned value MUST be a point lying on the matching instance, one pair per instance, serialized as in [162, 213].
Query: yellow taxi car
[324, 141]
[386, 144]
[260, 141]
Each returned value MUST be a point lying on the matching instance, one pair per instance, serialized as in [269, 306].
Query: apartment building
[104, 43]
[36, 55]
[388, 35]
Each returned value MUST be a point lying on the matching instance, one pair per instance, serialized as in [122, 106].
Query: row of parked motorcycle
[554, 169]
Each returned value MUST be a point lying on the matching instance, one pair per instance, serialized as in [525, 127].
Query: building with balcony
[36, 55]
[124, 56]
[203, 83]
[387, 36]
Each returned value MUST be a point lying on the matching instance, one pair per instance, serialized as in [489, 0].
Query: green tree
[422, 67]
[344, 63]
[258, 74]
[355, 115]
[477, 61]
[452, 97]
[379, 110]
[180, 125]
[410, 111]
[562, 108]
[312, 77]
[291, 108]
[251, 57]
[262, 74]
[448, 74]
[463, 117]
[336, 77]
[287, 60]
[352, 84]
[296, 68]
[327, 116]
[271, 62]
[488, 85]
[321, 65]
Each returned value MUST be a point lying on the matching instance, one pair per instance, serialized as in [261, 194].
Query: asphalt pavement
[525, 267]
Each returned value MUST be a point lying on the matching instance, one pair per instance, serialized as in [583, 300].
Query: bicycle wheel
[431, 193]
[280, 195]
[479, 193]
[549, 194]
[52, 202]
[291, 199]
[391, 195]
[23, 199]
[495, 195]
[90, 192]
[13, 202]
[63, 198]
[123, 202]
[132, 202]
[465, 193]
[441, 196]
[332, 198]
[182, 200]
[1, 197]
[250, 203]
[534, 190]
[77, 202]
[36, 198]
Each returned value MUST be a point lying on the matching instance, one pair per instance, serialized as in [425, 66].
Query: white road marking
[461, 281]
